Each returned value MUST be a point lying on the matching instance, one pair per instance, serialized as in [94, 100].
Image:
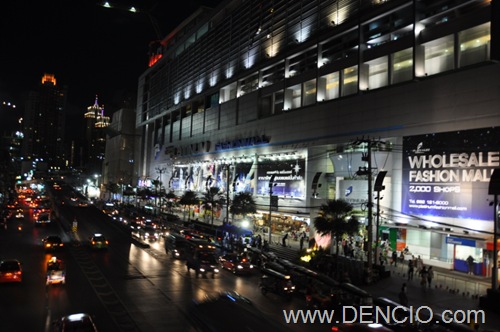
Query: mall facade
[299, 102]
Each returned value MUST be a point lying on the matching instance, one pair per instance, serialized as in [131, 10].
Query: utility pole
[368, 172]
[494, 189]
[159, 170]
[228, 168]
[378, 187]
[271, 201]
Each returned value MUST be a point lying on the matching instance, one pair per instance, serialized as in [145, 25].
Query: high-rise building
[299, 102]
[95, 139]
[120, 143]
[43, 126]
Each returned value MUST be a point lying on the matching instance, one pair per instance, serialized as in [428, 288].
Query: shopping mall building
[312, 100]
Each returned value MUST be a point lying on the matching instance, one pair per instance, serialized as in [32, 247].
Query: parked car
[11, 271]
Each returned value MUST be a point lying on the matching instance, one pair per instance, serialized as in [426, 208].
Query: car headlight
[251, 266]
[202, 270]
[216, 270]
[239, 267]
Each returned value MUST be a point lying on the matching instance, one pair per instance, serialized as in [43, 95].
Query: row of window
[444, 54]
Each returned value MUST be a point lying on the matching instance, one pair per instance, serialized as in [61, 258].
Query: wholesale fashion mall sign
[447, 174]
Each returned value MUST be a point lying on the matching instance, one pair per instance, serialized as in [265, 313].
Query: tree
[243, 203]
[187, 199]
[213, 199]
[170, 198]
[113, 188]
[336, 217]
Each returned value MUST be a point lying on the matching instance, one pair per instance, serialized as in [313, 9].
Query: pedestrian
[423, 276]
[410, 270]
[470, 264]
[394, 258]
[403, 295]
[420, 264]
[302, 242]
[283, 240]
[430, 276]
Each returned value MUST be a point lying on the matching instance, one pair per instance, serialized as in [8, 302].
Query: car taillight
[93, 242]
[107, 242]
[47, 245]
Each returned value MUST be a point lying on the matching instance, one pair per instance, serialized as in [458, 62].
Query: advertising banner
[447, 174]
[289, 178]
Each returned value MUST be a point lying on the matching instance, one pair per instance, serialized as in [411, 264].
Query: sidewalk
[451, 290]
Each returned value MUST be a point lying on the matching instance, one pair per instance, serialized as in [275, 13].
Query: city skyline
[90, 49]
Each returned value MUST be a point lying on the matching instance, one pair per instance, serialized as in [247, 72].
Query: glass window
[402, 66]
[378, 75]
[328, 86]
[228, 92]
[309, 97]
[293, 97]
[474, 45]
[350, 81]
[439, 55]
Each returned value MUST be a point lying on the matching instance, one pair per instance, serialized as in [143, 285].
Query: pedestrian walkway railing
[469, 287]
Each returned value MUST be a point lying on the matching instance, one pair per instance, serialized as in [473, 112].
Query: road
[126, 288]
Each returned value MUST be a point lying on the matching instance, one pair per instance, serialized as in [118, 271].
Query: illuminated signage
[447, 174]
[241, 143]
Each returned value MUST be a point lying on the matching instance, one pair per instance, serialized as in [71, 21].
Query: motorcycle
[276, 282]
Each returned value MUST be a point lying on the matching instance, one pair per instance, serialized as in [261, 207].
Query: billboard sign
[447, 174]
[289, 178]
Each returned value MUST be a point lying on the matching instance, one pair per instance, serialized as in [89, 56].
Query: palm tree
[243, 203]
[213, 199]
[336, 217]
[187, 199]
[171, 198]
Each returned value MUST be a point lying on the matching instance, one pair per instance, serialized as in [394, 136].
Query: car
[42, 219]
[11, 271]
[149, 233]
[75, 322]
[360, 327]
[56, 273]
[52, 242]
[230, 311]
[19, 214]
[98, 241]
[236, 263]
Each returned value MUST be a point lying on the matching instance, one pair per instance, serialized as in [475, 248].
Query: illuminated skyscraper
[44, 123]
[95, 138]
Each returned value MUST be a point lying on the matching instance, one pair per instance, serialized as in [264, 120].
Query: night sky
[90, 49]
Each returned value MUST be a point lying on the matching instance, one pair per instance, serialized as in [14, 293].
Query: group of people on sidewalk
[426, 274]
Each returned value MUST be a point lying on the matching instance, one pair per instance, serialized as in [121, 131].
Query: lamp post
[271, 200]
